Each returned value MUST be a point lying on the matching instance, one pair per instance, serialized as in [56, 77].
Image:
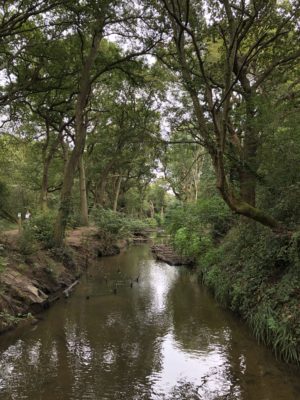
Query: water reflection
[164, 338]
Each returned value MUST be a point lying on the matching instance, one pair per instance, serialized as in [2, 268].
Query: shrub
[151, 222]
[3, 264]
[116, 225]
[109, 221]
[26, 241]
[194, 228]
[134, 226]
[41, 226]
[256, 273]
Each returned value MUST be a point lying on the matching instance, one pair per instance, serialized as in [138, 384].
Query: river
[139, 329]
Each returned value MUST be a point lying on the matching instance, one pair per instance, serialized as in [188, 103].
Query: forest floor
[32, 279]
[74, 237]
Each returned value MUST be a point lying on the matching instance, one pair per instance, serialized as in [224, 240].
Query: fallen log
[168, 255]
[67, 291]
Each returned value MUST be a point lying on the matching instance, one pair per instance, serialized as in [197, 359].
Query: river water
[162, 338]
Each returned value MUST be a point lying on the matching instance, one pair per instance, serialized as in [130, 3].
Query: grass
[257, 275]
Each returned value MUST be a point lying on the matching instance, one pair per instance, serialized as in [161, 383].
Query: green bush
[41, 226]
[3, 263]
[256, 273]
[27, 243]
[134, 226]
[117, 225]
[194, 228]
[74, 220]
[109, 221]
[151, 222]
[38, 229]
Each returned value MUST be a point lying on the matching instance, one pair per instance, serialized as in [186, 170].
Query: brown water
[164, 338]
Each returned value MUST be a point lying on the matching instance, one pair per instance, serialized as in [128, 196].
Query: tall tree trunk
[80, 136]
[117, 193]
[162, 214]
[84, 217]
[44, 188]
[48, 155]
[250, 163]
[101, 184]
[152, 210]
[46, 163]
[100, 191]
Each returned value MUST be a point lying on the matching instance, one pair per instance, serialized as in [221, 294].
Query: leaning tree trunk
[117, 193]
[84, 216]
[216, 152]
[80, 136]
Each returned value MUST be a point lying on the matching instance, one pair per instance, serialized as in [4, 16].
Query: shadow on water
[160, 336]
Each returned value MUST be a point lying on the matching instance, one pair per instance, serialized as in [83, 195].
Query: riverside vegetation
[250, 270]
[178, 114]
[34, 273]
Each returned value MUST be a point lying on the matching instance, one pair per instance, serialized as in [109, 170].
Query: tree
[254, 41]
[122, 148]
[19, 19]
[91, 21]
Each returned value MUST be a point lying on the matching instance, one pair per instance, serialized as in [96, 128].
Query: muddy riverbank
[30, 283]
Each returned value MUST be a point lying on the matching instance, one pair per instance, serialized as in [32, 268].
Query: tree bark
[100, 191]
[152, 210]
[44, 188]
[80, 136]
[47, 158]
[237, 204]
[117, 193]
[84, 217]
[250, 144]
[101, 184]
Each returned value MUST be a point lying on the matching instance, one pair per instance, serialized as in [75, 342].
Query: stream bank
[30, 283]
[167, 254]
[256, 274]
[162, 337]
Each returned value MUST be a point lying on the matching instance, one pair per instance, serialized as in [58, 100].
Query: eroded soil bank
[30, 283]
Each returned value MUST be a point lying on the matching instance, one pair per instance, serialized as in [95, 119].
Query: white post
[20, 221]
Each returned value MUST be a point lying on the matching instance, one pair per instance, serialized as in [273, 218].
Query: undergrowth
[115, 225]
[250, 270]
[257, 275]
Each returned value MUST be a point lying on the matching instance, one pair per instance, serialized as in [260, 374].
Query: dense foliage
[257, 275]
[117, 224]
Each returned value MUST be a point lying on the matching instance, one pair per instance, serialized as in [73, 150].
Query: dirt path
[12, 233]
[76, 236]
